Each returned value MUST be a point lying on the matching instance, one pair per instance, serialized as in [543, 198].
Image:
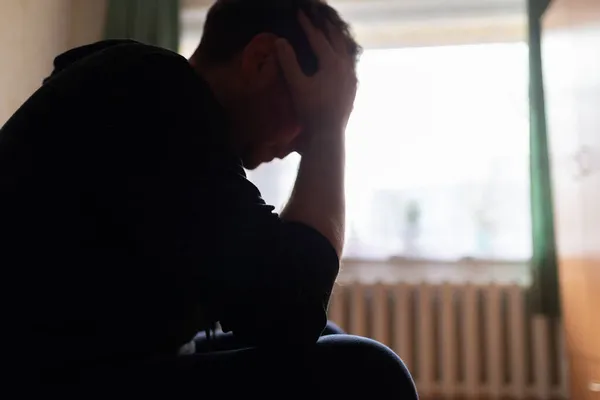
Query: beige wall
[32, 33]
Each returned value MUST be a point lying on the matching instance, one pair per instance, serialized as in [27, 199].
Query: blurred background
[472, 176]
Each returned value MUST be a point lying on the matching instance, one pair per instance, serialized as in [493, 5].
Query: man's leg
[337, 366]
[356, 367]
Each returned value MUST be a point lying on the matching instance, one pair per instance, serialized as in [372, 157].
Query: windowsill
[435, 272]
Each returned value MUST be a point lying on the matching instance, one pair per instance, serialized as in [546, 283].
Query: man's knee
[366, 362]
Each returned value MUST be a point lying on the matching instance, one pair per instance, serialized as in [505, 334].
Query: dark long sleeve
[277, 275]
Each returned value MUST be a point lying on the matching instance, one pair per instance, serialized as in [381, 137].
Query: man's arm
[313, 220]
[323, 102]
[273, 277]
[209, 228]
[318, 198]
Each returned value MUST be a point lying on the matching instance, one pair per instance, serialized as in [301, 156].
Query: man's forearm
[318, 198]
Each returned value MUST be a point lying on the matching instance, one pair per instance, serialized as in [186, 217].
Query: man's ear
[259, 60]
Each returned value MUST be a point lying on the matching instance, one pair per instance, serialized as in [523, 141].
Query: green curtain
[544, 294]
[154, 22]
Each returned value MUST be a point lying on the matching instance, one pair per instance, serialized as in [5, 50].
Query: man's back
[79, 162]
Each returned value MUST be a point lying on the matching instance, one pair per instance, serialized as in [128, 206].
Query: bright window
[437, 163]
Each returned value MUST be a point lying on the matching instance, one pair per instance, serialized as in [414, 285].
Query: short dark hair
[231, 24]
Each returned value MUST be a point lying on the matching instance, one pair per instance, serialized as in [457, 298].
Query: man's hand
[323, 102]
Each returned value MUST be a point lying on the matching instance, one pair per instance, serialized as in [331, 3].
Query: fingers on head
[336, 38]
[316, 37]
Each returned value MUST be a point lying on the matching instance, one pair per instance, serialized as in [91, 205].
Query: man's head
[237, 56]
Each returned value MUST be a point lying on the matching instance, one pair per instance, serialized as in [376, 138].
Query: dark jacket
[127, 225]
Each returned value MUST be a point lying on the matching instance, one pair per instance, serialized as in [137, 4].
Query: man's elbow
[280, 324]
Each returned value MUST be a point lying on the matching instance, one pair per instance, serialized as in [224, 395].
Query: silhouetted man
[129, 225]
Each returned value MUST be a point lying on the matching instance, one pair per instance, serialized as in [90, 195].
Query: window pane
[437, 163]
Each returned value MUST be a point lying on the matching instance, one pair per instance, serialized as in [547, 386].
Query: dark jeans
[338, 366]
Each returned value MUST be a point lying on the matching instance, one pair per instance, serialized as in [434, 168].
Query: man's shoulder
[126, 47]
[112, 56]
[127, 52]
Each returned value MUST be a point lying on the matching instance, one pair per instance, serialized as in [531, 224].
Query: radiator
[471, 340]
